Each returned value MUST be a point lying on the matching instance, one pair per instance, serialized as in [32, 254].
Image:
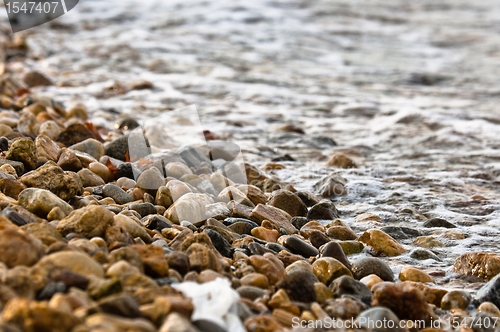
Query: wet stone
[479, 264]
[371, 265]
[346, 285]
[279, 220]
[331, 186]
[242, 227]
[318, 239]
[299, 285]
[423, 254]
[288, 202]
[334, 250]
[251, 292]
[411, 273]
[438, 222]
[324, 210]
[379, 314]
[382, 243]
[401, 233]
[299, 222]
[455, 299]
[341, 233]
[269, 266]
[490, 292]
[259, 249]
[300, 247]
[328, 269]
[119, 195]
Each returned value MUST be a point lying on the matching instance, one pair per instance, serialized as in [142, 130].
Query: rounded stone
[41, 202]
[119, 195]
[371, 265]
[334, 250]
[341, 233]
[377, 316]
[328, 269]
[300, 247]
[346, 285]
[479, 264]
[18, 248]
[410, 273]
[89, 178]
[382, 243]
[269, 266]
[90, 146]
[73, 261]
[455, 299]
[324, 210]
[24, 151]
[88, 221]
[288, 202]
[299, 285]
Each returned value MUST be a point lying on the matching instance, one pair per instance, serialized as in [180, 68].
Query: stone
[371, 280]
[427, 242]
[190, 207]
[51, 177]
[202, 258]
[323, 293]
[318, 238]
[381, 243]
[109, 322]
[455, 299]
[328, 269]
[375, 316]
[69, 161]
[334, 250]
[371, 265]
[232, 193]
[34, 78]
[253, 193]
[178, 189]
[422, 254]
[176, 322]
[46, 148]
[311, 226]
[51, 129]
[275, 216]
[90, 146]
[251, 292]
[73, 134]
[144, 209]
[119, 195]
[268, 235]
[263, 323]
[17, 165]
[18, 248]
[118, 148]
[132, 227]
[479, 264]
[438, 222]
[324, 210]
[44, 232]
[406, 301]
[346, 285]
[490, 308]
[410, 273]
[308, 198]
[367, 217]
[31, 316]
[73, 261]
[41, 202]
[341, 161]
[300, 247]
[77, 111]
[341, 233]
[164, 197]
[255, 279]
[288, 202]
[351, 247]
[89, 178]
[178, 261]
[11, 187]
[118, 304]
[270, 266]
[24, 151]
[345, 308]
[88, 221]
[432, 295]
[299, 285]
[490, 292]
[151, 179]
[331, 185]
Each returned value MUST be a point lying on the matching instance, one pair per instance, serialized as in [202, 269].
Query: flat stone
[438, 222]
[300, 247]
[46, 148]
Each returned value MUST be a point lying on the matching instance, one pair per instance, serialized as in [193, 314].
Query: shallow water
[409, 90]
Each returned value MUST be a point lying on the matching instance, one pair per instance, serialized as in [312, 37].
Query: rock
[202, 258]
[34, 78]
[44, 232]
[77, 111]
[269, 266]
[438, 222]
[263, 323]
[268, 235]
[371, 265]
[455, 299]
[367, 217]
[219, 242]
[115, 323]
[51, 177]
[288, 202]
[102, 171]
[490, 308]
[406, 301]
[178, 189]
[118, 148]
[331, 185]
[126, 170]
[375, 317]
[31, 316]
[69, 161]
[328, 269]
[489, 292]
[90, 146]
[17, 165]
[119, 195]
[299, 285]
[382, 243]
[300, 247]
[346, 285]
[132, 227]
[89, 178]
[178, 261]
[73, 134]
[311, 226]
[11, 187]
[411, 273]
[120, 305]
[41, 202]
[345, 308]
[278, 220]
[46, 148]
[422, 254]
[351, 247]
[371, 280]
[341, 233]
[427, 242]
[432, 295]
[127, 124]
[253, 193]
[176, 322]
[164, 197]
[143, 209]
[251, 292]
[479, 264]
[190, 207]
[88, 221]
[73, 261]
[18, 248]
[255, 279]
[51, 129]
[24, 151]
[323, 293]
[341, 161]
[151, 179]
[334, 250]
[318, 239]
[324, 210]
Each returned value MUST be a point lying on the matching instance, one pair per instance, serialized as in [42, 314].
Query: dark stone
[121, 305]
[288, 202]
[50, 290]
[299, 285]
[300, 247]
[71, 279]
[18, 166]
[34, 78]
[308, 198]
[334, 250]
[489, 292]
[242, 227]
[14, 216]
[276, 247]
[258, 249]
[119, 195]
[421, 254]
[127, 124]
[143, 209]
[346, 285]
[178, 261]
[220, 243]
[371, 265]
[126, 170]
[4, 144]
[73, 134]
[400, 233]
[118, 148]
[324, 210]
[154, 221]
[438, 222]
[376, 317]
[298, 222]
[251, 292]
[318, 238]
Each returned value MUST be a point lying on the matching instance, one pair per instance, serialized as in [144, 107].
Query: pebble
[268, 235]
[69, 161]
[134, 228]
[18, 248]
[127, 170]
[334, 250]
[219, 242]
[410, 273]
[89, 178]
[311, 226]
[324, 210]
[479, 264]
[73, 134]
[328, 269]
[269, 266]
[11, 187]
[51, 177]
[489, 308]
[371, 280]
[351, 247]
[119, 195]
[44, 232]
[288, 202]
[341, 161]
[190, 207]
[255, 279]
[427, 242]
[116, 323]
[88, 221]
[102, 171]
[490, 292]
[381, 243]
[73, 261]
[151, 179]
[90, 146]
[202, 258]
[423, 254]
[377, 316]
[176, 322]
[367, 217]
[24, 151]
[46, 148]
[50, 129]
[331, 186]
[299, 285]
[318, 238]
[41, 202]
[278, 219]
[455, 299]
[34, 78]
[300, 247]
[438, 222]
[346, 285]
[341, 233]
[370, 265]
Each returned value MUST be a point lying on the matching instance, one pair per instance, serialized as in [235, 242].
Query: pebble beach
[347, 180]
